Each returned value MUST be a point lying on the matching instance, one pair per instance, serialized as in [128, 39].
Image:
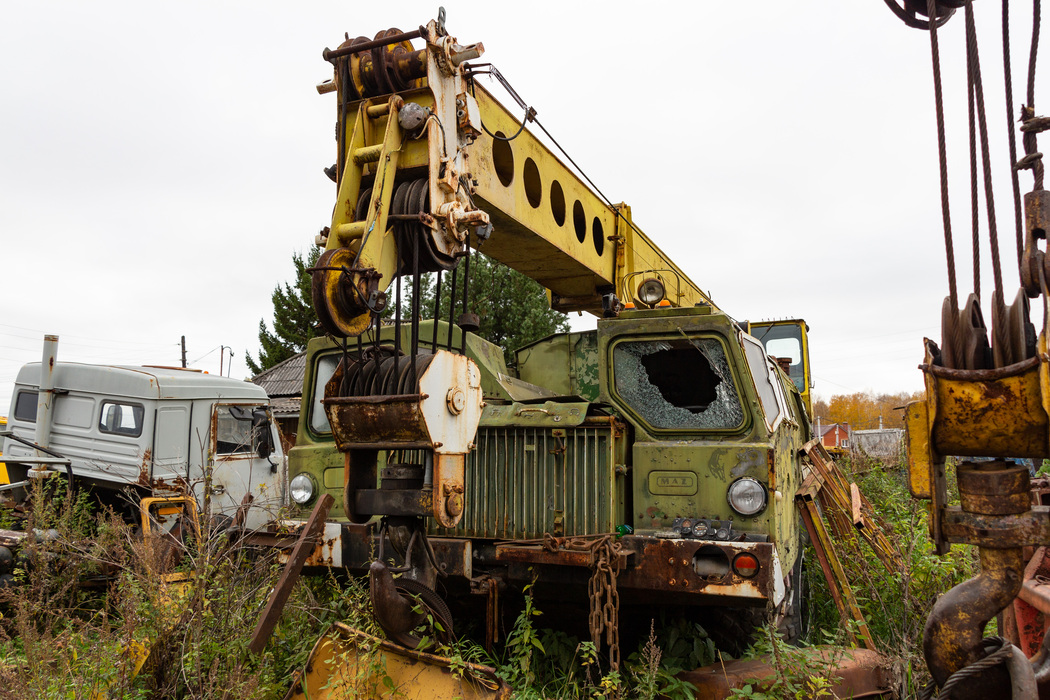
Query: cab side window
[118, 418]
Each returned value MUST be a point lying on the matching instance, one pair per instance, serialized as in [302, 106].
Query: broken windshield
[678, 384]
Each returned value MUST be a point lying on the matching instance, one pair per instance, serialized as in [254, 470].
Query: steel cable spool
[384, 69]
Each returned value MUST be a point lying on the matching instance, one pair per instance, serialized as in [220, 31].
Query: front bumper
[679, 567]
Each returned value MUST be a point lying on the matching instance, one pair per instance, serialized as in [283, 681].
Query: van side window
[25, 406]
[121, 418]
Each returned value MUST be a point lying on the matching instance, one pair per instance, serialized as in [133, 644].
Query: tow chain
[604, 598]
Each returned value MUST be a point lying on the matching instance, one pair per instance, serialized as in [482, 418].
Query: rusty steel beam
[537, 554]
[303, 548]
[330, 54]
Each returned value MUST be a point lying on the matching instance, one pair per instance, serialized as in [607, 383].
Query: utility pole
[184, 352]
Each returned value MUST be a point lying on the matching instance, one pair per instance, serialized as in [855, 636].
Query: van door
[246, 459]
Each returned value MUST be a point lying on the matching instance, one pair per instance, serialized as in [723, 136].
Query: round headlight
[747, 496]
[651, 291]
[301, 488]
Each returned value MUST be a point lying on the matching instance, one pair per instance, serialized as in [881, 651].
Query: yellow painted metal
[548, 224]
[347, 663]
[917, 435]
[989, 413]
[369, 241]
[4, 478]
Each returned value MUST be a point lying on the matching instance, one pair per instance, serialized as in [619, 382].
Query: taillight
[745, 565]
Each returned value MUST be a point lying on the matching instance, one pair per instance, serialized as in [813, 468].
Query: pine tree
[294, 319]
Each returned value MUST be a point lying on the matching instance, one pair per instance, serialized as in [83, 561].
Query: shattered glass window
[678, 384]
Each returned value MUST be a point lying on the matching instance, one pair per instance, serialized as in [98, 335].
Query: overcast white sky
[161, 161]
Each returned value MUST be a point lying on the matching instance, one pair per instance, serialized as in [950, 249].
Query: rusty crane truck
[650, 462]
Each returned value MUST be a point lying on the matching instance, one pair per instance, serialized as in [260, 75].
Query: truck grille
[524, 482]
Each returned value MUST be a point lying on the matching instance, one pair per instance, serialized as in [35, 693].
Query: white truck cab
[154, 431]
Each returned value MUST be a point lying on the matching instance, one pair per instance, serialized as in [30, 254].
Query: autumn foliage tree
[862, 411]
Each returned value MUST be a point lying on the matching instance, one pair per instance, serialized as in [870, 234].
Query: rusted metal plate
[1033, 603]
[858, 673]
[989, 413]
[454, 557]
[393, 501]
[537, 554]
[668, 565]
[360, 422]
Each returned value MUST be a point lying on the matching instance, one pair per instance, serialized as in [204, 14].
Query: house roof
[285, 379]
[825, 429]
[285, 406]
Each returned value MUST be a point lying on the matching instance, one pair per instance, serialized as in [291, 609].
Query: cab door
[246, 458]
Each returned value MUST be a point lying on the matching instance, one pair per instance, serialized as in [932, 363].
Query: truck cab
[672, 424]
[154, 431]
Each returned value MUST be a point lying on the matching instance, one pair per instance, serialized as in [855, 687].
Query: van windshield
[678, 384]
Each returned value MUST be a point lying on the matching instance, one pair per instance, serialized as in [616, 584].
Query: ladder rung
[368, 154]
[344, 233]
[376, 111]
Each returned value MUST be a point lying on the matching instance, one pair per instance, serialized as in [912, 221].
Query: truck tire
[732, 629]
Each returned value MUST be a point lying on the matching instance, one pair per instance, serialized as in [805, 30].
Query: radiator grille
[524, 482]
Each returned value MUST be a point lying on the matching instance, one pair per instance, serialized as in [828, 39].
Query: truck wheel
[732, 629]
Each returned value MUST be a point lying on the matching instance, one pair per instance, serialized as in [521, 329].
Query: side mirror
[261, 425]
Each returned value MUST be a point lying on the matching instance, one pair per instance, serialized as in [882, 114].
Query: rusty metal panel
[524, 482]
[859, 673]
[376, 421]
[989, 413]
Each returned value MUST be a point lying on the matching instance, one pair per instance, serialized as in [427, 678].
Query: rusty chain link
[605, 599]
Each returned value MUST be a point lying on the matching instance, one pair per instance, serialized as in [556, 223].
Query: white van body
[156, 431]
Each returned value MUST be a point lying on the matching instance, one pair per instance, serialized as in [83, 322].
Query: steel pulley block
[431, 403]
[436, 405]
[915, 13]
[964, 337]
[987, 413]
[1015, 336]
[416, 240]
[384, 69]
[341, 294]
